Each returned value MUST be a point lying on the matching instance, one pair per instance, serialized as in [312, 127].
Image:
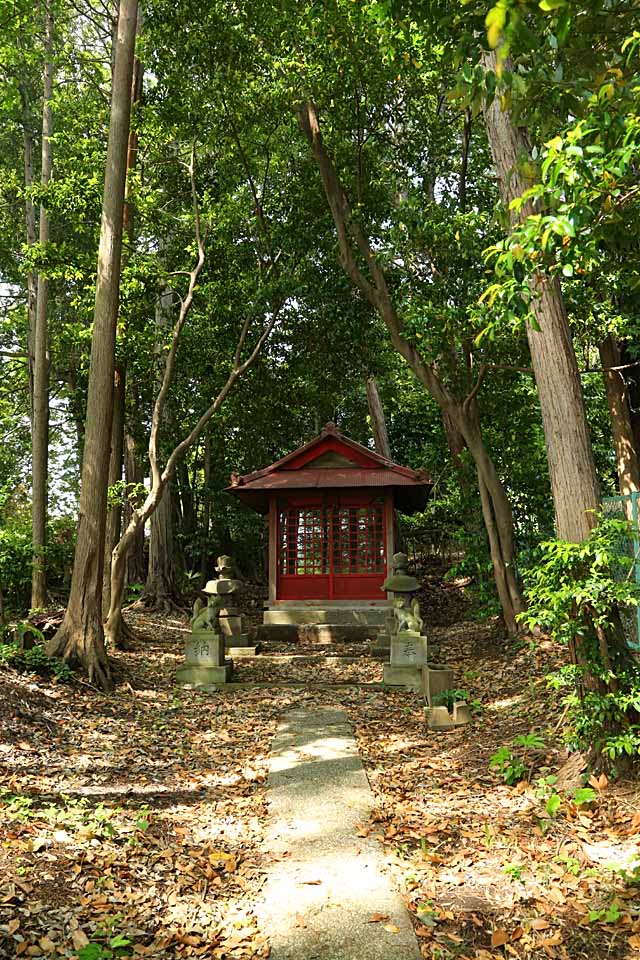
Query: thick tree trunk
[624, 441]
[80, 637]
[114, 511]
[574, 483]
[378, 420]
[463, 414]
[40, 415]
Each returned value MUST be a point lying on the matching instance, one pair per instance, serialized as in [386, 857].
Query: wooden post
[273, 549]
[389, 520]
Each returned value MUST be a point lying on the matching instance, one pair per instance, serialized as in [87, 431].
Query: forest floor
[132, 825]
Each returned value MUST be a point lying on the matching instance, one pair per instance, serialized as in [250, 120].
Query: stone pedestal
[409, 677]
[205, 663]
[408, 657]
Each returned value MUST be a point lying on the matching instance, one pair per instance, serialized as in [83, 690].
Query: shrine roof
[332, 460]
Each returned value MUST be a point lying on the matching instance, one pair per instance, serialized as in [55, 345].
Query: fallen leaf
[79, 939]
[499, 938]
[378, 918]
[391, 928]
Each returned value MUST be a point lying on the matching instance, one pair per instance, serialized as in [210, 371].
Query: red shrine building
[330, 506]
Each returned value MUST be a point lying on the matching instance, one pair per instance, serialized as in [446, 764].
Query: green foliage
[33, 660]
[447, 698]
[515, 762]
[16, 558]
[574, 592]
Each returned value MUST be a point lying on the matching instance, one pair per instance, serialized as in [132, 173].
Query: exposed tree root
[81, 644]
[159, 602]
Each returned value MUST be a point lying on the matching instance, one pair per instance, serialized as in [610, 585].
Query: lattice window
[340, 539]
[358, 539]
[303, 541]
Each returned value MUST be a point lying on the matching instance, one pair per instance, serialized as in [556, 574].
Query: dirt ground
[131, 824]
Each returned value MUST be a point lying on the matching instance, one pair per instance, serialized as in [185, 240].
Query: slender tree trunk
[378, 420]
[574, 483]
[186, 499]
[81, 637]
[463, 414]
[620, 413]
[40, 432]
[206, 507]
[114, 516]
[160, 589]
[114, 510]
[133, 474]
[30, 234]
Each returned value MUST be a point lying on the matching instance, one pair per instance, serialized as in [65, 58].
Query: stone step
[356, 614]
[315, 632]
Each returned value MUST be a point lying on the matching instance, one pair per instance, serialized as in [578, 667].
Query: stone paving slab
[325, 882]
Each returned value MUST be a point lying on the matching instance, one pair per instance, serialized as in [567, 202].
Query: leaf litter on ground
[138, 819]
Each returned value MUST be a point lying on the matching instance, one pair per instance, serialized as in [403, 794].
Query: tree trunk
[463, 414]
[114, 511]
[81, 637]
[40, 415]
[30, 236]
[574, 483]
[206, 507]
[186, 499]
[620, 413]
[114, 515]
[136, 572]
[378, 420]
[161, 590]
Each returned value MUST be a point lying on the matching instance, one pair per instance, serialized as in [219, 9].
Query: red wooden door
[332, 547]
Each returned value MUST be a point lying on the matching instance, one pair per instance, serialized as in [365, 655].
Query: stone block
[358, 613]
[231, 625]
[407, 676]
[461, 713]
[439, 718]
[241, 653]
[381, 647]
[237, 640]
[277, 633]
[408, 648]
[437, 678]
[194, 675]
[204, 648]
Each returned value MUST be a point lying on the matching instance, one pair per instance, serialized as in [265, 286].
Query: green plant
[574, 593]
[115, 947]
[512, 764]
[507, 765]
[513, 870]
[34, 660]
[447, 698]
[610, 914]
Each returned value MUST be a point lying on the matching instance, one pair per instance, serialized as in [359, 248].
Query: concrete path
[326, 883]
